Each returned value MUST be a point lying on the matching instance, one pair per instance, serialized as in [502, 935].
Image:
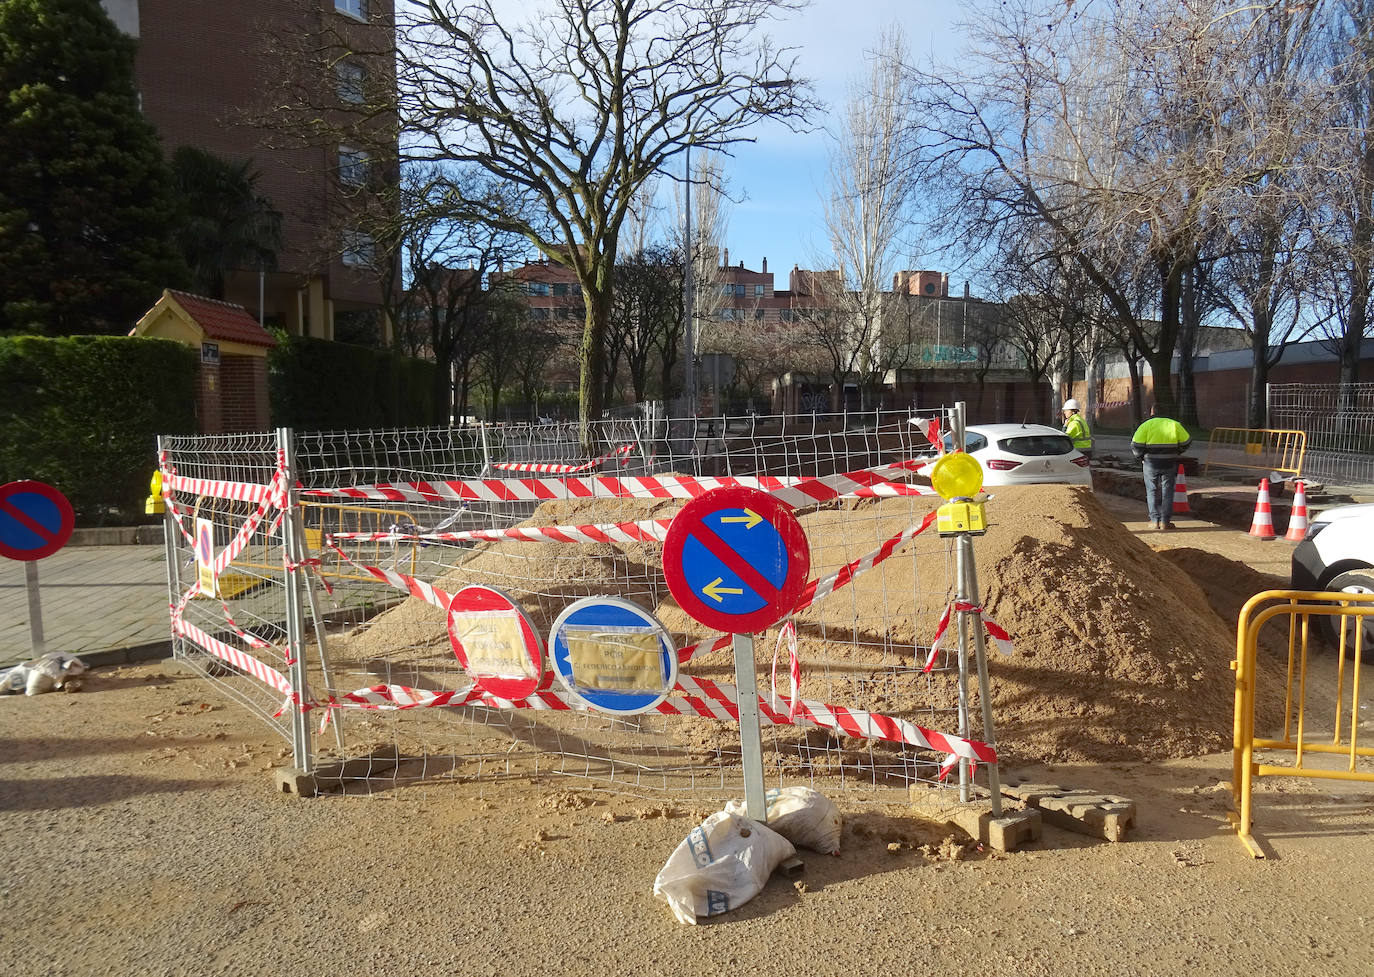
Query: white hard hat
[1071, 404]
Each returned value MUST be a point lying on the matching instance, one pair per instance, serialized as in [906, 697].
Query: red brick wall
[243, 394]
[202, 65]
[209, 416]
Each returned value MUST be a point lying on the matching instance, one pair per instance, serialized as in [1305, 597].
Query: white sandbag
[721, 864]
[50, 671]
[14, 679]
[803, 816]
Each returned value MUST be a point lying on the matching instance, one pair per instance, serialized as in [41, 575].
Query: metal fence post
[169, 549]
[293, 558]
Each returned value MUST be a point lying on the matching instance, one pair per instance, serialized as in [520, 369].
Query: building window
[560, 288]
[352, 166]
[358, 249]
[351, 79]
[537, 288]
[758, 291]
[727, 314]
[354, 8]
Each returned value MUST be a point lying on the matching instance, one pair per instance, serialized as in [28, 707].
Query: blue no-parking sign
[736, 559]
[36, 520]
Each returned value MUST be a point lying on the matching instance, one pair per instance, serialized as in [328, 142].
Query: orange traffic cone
[1181, 494]
[1263, 523]
[1297, 521]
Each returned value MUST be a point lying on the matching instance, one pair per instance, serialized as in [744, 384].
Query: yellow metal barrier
[1298, 607]
[1261, 449]
[322, 518]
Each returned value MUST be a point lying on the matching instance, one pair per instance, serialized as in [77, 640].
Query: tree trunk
[1259, 362]
[592, 356]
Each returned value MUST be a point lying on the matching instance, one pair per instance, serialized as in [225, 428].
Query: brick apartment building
[202, 67]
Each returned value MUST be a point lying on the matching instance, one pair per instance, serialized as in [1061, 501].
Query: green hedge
[319, 385]
[83, 413]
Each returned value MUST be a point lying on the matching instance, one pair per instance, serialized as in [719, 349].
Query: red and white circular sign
[495, 641]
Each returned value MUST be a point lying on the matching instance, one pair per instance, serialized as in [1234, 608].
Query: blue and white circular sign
[613, 655]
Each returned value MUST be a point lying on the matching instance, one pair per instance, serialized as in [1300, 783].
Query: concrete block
[975, 819]
[291, 780]
[1106, 816]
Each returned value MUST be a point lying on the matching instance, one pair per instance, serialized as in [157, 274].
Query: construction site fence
[284, 549]
[1338, 420]
[1318, 735]
[1256, 449]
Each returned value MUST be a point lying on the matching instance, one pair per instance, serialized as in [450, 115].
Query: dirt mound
[1118, 653]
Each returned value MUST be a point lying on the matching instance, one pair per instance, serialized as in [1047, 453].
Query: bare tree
[871, 186]
[648, 305]
[1119, 127]
[577, 107]
[1347, 239]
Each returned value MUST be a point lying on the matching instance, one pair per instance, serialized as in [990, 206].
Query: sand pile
[1118, 654]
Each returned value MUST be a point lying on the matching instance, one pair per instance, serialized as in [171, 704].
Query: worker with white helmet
[1076, 427]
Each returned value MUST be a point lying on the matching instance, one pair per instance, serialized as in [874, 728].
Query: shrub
[83, 413]
[319, 385]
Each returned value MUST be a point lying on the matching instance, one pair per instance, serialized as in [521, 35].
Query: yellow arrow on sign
[750, 518]
[715, 591]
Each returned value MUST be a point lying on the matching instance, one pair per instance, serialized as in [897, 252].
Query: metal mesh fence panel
[394, 524]
[1339, 421]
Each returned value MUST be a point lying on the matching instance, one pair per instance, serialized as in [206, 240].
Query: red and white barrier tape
[644, 531]
[699, 697]
[428, 593]
[555, 469]
[240, 660]
[995, 631]
[794, 491]
[788, 633]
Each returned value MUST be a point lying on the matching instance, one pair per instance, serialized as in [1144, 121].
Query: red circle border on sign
[64, 509]
[776, 513]
[478, 597]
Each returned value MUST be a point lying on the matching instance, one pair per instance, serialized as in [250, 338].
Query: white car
[1024, 454]
[1338, 554]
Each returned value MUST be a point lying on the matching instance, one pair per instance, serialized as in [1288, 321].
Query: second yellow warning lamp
[957, 478]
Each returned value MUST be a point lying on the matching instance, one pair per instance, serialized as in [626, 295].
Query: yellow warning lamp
[957, 478]
[153, 505]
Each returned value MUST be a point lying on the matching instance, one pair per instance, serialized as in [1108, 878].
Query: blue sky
[782, 175]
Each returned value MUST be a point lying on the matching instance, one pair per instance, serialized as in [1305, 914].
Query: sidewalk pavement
[94, 599]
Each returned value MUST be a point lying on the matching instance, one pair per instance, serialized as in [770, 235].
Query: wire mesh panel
[1339, 421]
[230, 622]
[499, 531]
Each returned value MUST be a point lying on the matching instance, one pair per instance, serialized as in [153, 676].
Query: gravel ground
[141, 834]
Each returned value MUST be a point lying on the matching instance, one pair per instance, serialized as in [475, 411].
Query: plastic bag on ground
[42, 674]
[802, 815]
[721, 864]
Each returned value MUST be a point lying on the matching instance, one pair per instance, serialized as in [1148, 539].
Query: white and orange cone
[1297, 521]
[1181, 494]
[1263, 523]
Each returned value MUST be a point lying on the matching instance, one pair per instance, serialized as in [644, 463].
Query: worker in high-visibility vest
[1159, 443]
[1076, 427]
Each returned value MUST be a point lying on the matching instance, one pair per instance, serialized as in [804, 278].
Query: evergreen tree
[226, 224]
[87, 206]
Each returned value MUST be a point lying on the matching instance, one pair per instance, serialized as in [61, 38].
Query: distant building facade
[202, 68]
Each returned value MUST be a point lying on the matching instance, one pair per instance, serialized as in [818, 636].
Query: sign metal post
[36, 520]
[736, 559]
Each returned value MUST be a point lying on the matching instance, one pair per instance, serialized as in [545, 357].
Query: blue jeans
[1160, 477]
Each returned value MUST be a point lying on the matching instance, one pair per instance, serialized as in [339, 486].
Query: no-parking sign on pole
[36, 520]
[736, 559]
